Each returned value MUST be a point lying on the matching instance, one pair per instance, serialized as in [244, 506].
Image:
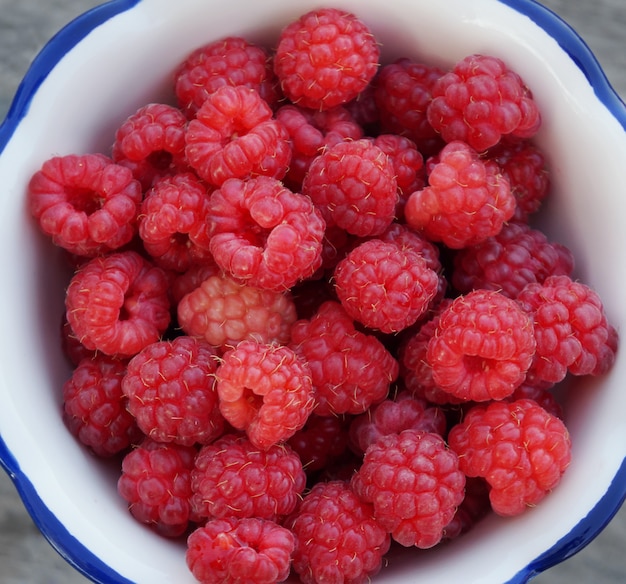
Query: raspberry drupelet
[118, 304]
[264, 390]
[234, 135]
[466, 200]
[86, 203]
[170, 386]
[325, 58]
[482, 348]
[354, 186]
[264, 234]
[518, 448]
[156, 483]
[337, 537]
[240, 551]
[415, 485]
[351, 370]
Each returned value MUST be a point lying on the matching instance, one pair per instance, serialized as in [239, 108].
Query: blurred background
[25, 26]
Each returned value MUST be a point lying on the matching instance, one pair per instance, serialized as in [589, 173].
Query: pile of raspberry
[310, 314]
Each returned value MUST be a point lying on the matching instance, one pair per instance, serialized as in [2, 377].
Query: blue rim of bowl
[72, 550]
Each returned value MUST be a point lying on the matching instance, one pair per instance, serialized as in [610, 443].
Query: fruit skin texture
[482, 347]
[264, 234]
[466, 200]
[265, 390]
[156, 483]
[518, 447]
[385, 286]
[353, 184]
[86, 204]
[234, 478]
[325, 58]
[337, 537]
[350, 370]
[225, 312]
[170, 386]
[414, 483]
[118, 304]
[240, 551]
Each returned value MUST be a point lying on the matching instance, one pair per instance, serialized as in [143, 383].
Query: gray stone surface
[25, 25]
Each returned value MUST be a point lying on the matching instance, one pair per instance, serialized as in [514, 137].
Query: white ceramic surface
[118, 57]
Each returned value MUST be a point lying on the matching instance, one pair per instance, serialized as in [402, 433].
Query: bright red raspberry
[265, 390]
[351, 370]
[240, 551]
[311, 132]
[392, 416]
[519, 448]
[170, 386]
[151, 142]
[482, 348]
[229, 61]
[337, 537]
[173, 222]
[542, 394]
[118, 304]
[94, 406]
[403, 92]
[473, 508]
[415, 485]
[156, 483]
[191, 278]
[224, 312]
[325, 58]
[385, 286]
[571, 328]
[87, 204]
[479, 101]
[466, 201]
[525, 165]
[516, 256]
[264, 234]
[234, 478]
[234, 135]
[353, 184]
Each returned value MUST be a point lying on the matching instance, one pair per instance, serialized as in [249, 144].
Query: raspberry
[234, 135]
[265, 390]
[392, 416]
[479, 101]
[541, 394]
[466, 201]
[351, 370]
[170, 387]
[325, 58]
[516, 256]
[172, 223]
[414, 483]
[118, 304]
[354, 186]
[156, 483]
[73, 349]
[473, 508]
[337, 537]
[94, 406]
[151, 142]
[571, 329]
[233, 478]
[520, 449]
[240, 551]
[187, 281]
[384, 286]
[403, 92]
[229, 61]
[224, 312]
[482, 348]
[87, 204]
[263, 234]
[311, 132]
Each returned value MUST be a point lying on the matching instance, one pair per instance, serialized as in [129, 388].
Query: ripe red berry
[325, 58]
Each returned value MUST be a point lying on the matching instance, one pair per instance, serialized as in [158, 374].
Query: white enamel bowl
[119, 56]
